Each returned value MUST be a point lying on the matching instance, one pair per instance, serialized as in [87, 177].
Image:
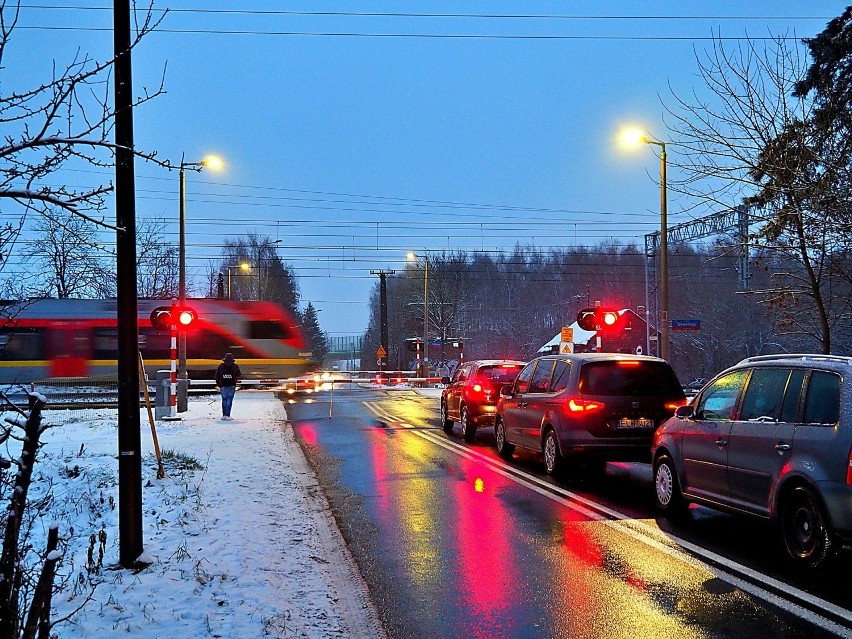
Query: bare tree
[752, 142]
[70, 261]
[156, 261]
[67, 119]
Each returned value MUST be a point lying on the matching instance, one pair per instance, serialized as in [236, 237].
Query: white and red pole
[173, 386]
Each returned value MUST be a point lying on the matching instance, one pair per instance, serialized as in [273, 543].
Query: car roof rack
[816, 357]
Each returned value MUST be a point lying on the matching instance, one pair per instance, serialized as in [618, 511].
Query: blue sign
[686, 324]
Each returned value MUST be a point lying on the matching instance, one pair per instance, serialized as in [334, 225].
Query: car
[584, 409]
[470, 396]
[770, 437]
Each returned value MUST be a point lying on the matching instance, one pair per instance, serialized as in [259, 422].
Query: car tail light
[673, 406]
[849, 469]
[477, 388]
[630, 363]
[583, 405]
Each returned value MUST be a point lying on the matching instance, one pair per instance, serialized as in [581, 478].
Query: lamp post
[634, 136]
[245, 266]
[414, 256]
[212, 162]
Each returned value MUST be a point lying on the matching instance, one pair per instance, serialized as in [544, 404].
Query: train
[45, 339]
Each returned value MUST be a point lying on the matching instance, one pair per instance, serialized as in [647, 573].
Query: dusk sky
[356, 138]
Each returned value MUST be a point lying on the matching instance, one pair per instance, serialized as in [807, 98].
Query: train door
[69, 350]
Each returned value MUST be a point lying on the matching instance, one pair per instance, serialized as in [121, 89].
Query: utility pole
[129, 441]
[383, 303]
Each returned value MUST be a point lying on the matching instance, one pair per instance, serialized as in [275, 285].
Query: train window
[21, 344]
[154, 344]
[105, 343]
[268, 329]
[204, 344]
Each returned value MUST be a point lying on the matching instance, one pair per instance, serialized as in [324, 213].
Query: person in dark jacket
[227, 375]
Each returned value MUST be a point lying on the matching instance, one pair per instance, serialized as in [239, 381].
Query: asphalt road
[455, 542]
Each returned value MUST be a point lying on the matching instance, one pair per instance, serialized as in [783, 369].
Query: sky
[230, 556]
[356, 132]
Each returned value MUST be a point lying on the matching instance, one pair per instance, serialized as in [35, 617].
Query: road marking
[778, 593]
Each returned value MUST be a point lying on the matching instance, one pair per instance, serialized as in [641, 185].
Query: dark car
[471, 395]
[587, 407]
[770, 437]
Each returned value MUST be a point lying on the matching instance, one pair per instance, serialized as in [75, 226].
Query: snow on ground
[244, 546]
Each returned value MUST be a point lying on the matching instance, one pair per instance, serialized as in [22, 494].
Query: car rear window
[632, 378]
[822, 403]
[501, 374]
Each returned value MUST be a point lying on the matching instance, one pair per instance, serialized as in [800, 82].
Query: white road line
[667, 543]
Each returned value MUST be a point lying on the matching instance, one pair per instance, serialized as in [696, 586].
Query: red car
[470, 397]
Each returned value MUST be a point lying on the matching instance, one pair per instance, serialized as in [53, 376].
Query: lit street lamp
[215, 163]
[412, 257]
[244, 266]
[634, 136]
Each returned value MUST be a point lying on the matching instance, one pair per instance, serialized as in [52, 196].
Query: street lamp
[244, 266]
[412, 257]
[633, 137]
[215, 163]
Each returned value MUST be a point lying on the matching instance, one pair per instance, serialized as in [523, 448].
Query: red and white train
[62, 338]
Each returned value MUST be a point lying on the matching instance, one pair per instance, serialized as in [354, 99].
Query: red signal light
[186, 316]
[610, 318]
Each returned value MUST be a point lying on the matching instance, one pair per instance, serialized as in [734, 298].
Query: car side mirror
[445, 380]
[685, 412]
[506, 390]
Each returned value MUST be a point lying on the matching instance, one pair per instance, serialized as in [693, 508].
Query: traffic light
[600, 320]
[161, 317]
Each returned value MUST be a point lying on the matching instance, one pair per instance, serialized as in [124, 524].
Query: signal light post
[169, 318]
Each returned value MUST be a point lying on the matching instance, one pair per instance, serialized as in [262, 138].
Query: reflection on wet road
[455, 542]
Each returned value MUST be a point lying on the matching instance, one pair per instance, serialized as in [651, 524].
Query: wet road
[455, 542]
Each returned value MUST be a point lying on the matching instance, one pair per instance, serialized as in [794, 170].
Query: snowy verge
[241, 539]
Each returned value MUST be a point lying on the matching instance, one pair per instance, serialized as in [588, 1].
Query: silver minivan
[770, 437]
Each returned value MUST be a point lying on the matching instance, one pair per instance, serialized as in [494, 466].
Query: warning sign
[381, 352]
[566, 345]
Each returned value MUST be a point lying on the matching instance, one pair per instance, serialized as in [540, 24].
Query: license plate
[640, 422]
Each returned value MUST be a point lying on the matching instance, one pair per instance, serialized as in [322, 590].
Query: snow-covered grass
[241, 540]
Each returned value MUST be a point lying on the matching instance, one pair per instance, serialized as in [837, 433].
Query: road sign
[381, 352]
[567, 334]
[686, 324]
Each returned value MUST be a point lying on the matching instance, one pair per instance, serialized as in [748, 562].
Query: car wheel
[552, 456]
[667, 495]
[446, 422]
[467, 426]
[504, 448]
[805, 530]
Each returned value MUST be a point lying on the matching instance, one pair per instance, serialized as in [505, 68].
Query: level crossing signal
[600, 319]
[161, 317]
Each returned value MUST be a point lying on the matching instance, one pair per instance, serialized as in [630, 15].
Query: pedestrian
[227, 376]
